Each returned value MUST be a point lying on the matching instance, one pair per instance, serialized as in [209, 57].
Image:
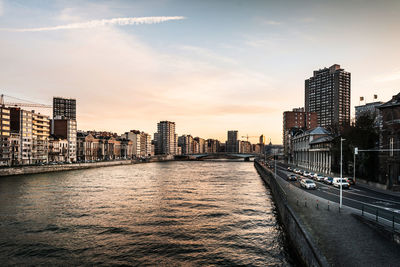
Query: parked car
[337, 182]
[319, 177]
[292, 177]
[350, 180]
[328, 180]
[308, 184]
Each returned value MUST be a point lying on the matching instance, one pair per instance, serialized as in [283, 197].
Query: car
[337, 182]
[308, 184]
[306, 174]
[328, 180]
[319, 177]
[289, 169]
[292, 177]
[311, 175]
[350, 180]
[296, 171]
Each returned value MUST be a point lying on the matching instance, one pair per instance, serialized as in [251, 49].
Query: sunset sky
[210, 66]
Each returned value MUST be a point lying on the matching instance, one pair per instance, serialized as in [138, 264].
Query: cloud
[272, 22]
[99, 23]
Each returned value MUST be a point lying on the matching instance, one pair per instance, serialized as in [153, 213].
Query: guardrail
[381, 215]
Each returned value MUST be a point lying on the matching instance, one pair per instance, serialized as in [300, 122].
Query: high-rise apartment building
[4, 135]
[22, 123]
[295, 121]
[233, 144]
[40, 137]
[328, 94]
[64, 123]
[165, 139]
[64, 108]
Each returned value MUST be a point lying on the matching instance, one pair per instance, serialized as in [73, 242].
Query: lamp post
[341, 169]
[354, 164]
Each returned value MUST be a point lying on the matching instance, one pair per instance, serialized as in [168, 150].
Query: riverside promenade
[339, 238]
[23, 170]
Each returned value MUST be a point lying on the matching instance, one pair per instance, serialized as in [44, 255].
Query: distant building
[22, 123]
[64, 108]
[372, 110]
[58, 149]
[245, 147]
[202, 144]
[294, 120]
[328, 94]
[389, 158]
[213, 146]
[166, 140]
[4, 136]
[233, 143]
[185, 142]
[66, 129]
[15, 149]
[40, 137]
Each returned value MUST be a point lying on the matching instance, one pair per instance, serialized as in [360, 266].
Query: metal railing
[381, 215]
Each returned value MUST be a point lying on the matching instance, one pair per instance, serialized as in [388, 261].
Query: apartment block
[66, 129]
[40, 137]
[166, 140]
[4, 136]
[64, 108]
[327, 93]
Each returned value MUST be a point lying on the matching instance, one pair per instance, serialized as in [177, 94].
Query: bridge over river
[219, 155]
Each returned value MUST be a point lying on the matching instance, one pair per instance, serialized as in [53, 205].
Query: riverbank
[337, 235]
[24, 170]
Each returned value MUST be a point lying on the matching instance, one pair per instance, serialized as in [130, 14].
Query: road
[356, 197]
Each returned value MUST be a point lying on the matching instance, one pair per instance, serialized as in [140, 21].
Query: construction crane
[247, 137]
[30, 104]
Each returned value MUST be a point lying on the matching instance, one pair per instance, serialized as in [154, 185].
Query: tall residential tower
[166, 140]
[328, 94]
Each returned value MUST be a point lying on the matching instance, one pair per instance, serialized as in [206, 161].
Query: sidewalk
[342, 238]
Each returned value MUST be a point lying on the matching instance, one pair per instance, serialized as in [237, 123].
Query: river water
[168, 214]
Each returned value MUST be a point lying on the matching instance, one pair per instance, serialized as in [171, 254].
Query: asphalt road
[356, 197]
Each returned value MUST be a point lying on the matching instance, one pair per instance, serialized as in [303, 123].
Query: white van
[337, 181]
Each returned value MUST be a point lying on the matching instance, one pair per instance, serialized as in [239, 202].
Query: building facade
[4, 136]
[166, 140]
[312, 150]
[66, 129]
[233, 143]
[389, 157]
[372, 110]
[294, 120]
[64, 108]
[328, 94]
[40, 137]
[22, 123]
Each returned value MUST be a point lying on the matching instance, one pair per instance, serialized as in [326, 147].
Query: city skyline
[209, 67]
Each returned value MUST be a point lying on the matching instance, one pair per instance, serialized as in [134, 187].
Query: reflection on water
[175, 213]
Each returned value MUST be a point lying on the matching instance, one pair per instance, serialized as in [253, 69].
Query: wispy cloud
[272, 22]
[99, 23]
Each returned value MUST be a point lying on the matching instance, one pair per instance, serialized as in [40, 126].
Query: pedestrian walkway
[342, 238]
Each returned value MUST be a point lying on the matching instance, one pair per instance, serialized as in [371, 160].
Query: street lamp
[341, 169]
